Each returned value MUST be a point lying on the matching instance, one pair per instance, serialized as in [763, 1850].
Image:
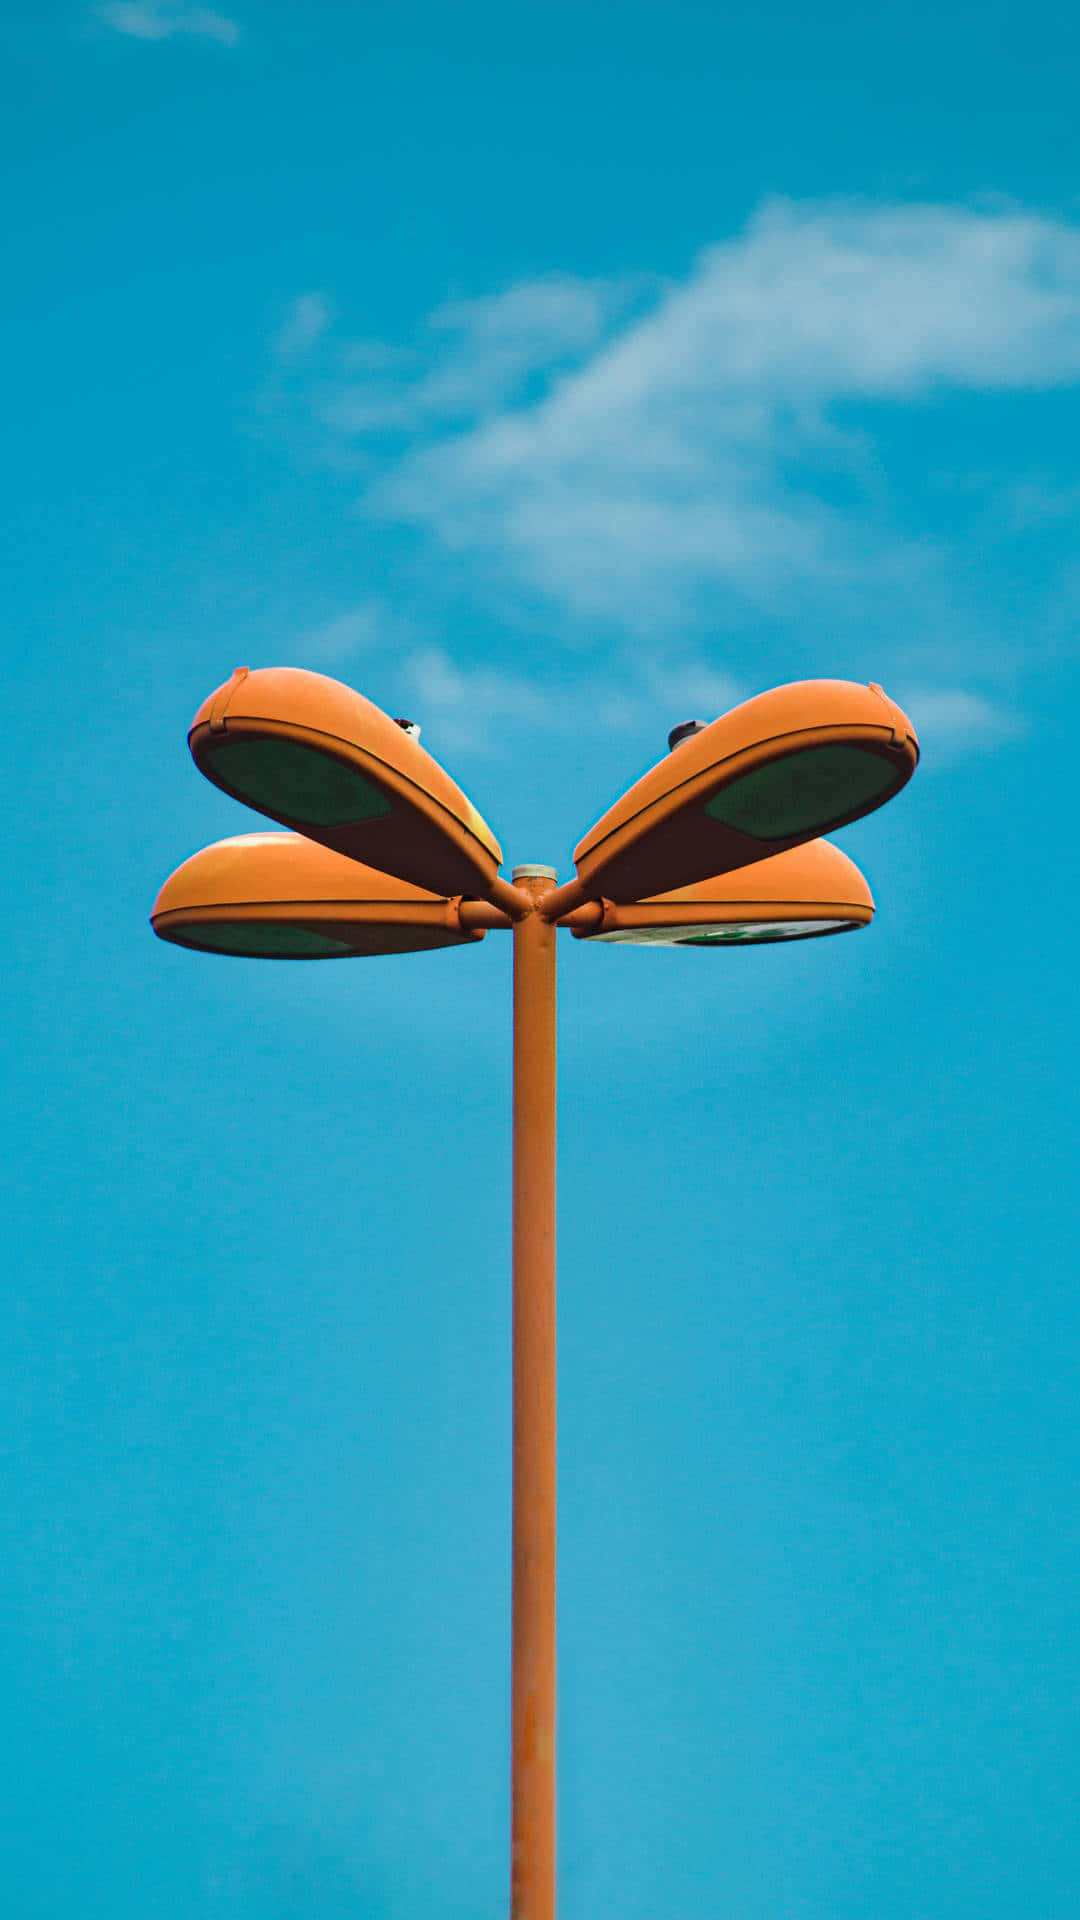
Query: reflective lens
[262, 940]
[757, 931]
[803, 792]
[737, 933]
[283, 777]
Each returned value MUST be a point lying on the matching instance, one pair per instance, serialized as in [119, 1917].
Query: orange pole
[565, 899]
[532, 1818]
[511, 900]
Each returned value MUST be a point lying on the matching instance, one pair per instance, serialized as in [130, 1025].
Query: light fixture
[278, 896]
[317, 757]
[781, 769]
[799, 895]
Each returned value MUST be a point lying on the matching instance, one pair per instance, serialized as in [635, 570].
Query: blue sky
[552, 375]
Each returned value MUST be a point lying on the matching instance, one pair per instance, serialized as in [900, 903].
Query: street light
[781, 769]
[799, 895]
[318, 757]
[719, 845]
[278, 896]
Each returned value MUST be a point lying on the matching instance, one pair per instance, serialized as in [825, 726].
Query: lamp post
[717, 845]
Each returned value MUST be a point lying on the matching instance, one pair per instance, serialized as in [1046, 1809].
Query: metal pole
[532, 1818]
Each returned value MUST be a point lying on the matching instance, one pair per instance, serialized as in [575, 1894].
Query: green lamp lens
[283, 778]
[748, 932]
[803, 793]
[263, 940]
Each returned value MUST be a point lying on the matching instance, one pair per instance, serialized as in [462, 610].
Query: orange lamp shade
[314, 755]
[798, 895]
[774, 773]
[276, 896]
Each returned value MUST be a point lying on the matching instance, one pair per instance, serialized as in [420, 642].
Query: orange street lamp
[277, 896]
[719, 845]
[797, 895]
[779, 770]
[320, 758]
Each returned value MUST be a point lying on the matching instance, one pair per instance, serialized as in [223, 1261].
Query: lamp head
[278, 896]
[773, 773]
[798, 895]
[317, 757]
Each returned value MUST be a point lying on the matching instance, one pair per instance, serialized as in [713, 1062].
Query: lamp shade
[316, 756]
[277, 896]
[772, 774]
[798, 895]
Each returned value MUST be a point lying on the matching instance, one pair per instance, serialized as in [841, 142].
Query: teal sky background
[552, 375]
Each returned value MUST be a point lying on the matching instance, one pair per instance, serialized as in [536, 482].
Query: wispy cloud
[659, 460]
[303, 326]
[624, 459]
[1033, 503]
[953, 719]
[477, 358]
[357, 631]
[161, 19]
[467, 705]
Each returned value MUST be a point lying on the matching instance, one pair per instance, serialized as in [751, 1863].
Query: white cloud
[690, 690]
[1035, 503]
[677, 456]
[464, 707]
[303, 326]
[359, 629]
[161, 19]
[472, 706]
[949, 719]
[476, 357]
[679, 463]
